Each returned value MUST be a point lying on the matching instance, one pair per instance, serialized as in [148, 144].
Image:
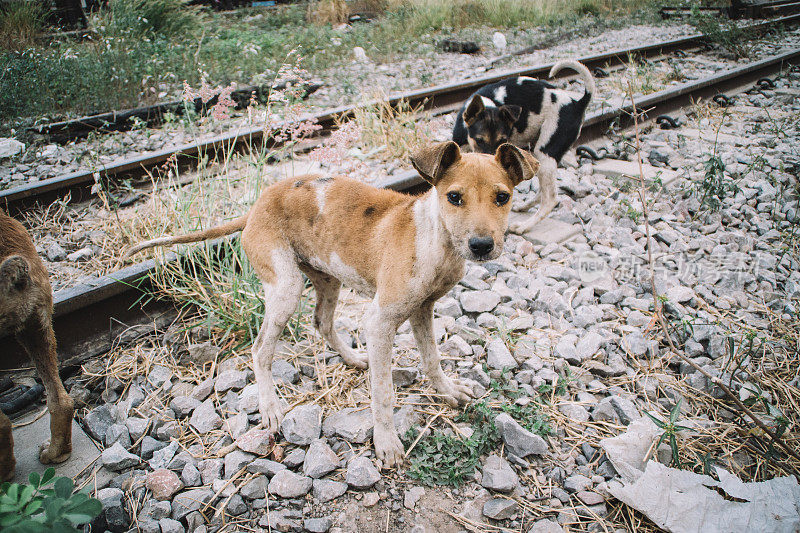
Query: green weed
[671, 429]
[21, 21]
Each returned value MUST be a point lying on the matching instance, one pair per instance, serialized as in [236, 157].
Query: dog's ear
[474, 109]
[510, 113]
[519, 164]
[433, 160]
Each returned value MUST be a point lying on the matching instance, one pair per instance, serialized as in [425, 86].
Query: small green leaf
[32, 507]
[63, 487]
[673, 415]
[49, 474]
[34, 479]
[13, 492]
[657, 422]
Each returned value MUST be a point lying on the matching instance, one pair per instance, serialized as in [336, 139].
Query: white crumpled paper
[681, 501]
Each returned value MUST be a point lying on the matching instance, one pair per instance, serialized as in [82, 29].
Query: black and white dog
[533, 115]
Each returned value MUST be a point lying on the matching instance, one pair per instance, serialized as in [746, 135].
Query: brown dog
[402, 251]
[26, 310]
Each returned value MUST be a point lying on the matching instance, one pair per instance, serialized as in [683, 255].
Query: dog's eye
[455, 198]
[501, 198]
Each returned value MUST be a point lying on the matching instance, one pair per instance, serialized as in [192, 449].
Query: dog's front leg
[381, 328]
[547, 194]
[453, 391]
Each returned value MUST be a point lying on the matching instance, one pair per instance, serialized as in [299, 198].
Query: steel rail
[90, 316]
[441, 97]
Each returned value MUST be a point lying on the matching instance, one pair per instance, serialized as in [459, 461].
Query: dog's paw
[519, 228]
[454, 391]
[388, 448]
[357, 360]
[271, 415]
[49, 455]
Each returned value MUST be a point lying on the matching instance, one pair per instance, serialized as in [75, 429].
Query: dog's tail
[583, 73]
[233, 226]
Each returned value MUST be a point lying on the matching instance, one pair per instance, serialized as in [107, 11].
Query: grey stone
[113, 508]
[320, 459]
[284, 372]
[203, 389]
[626, 410]
[255, 488]
[158, 375]
[235, 461]
[588, 345]
[577, 483]
[236, 506]
[81, 254]
[97, 421]
[210, 470]
[149, 446]
[191, 476]
[353, 425]
[604, 412]
[287, 484]
[317, 525]
[498, 475]
[205, 418]
[137, 427]
[255, 441]
[183, 406]
[403, 377]
[565, 349]
[500, 508]
[118, 433]
[295, 458]
[498, 355]
[519, 440]
[190, 500]
[230, 379]
[361, 473]
[169, 525]
[412, 496]
[545, 526]
[117, 458]
[302, 424]
[202, 353]
[265, 466]
[456, 346]
[574, 412]
[326, 490]
[163, 456]
[479, 301]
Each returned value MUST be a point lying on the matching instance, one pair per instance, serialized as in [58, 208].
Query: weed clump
[441, 458]
[142, 18]
[20, 22]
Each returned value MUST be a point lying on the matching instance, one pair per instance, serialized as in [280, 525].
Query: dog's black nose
[481, 246]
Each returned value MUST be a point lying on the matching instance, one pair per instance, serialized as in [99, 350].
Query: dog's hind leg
[39, 341]
[282, 294]
[327, 290]
[548, 168]
[453, 391]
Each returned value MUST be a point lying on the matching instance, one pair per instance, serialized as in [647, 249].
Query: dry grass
[391, 133]
[328, 12]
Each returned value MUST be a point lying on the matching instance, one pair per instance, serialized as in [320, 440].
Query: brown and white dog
[402, 251]
[26, 310]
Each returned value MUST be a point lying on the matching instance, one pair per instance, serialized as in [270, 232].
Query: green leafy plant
[670, 433]
[20, 22]
[725, 33]
[38, 507]
[715, 186]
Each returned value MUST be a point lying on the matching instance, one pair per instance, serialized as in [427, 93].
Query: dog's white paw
[357, 360]
[454, 391]
[388, 448]
[271, 415]
[519, 228]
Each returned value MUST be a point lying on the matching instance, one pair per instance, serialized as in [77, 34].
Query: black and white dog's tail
[583, 73]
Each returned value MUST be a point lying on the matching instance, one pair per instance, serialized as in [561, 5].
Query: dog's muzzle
[481, 247]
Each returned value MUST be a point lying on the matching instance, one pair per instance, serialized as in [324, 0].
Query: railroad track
[440, 98]
[89, 318]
